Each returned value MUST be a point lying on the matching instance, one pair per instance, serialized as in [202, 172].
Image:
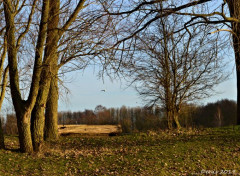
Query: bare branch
[73, 16]
[28, 24]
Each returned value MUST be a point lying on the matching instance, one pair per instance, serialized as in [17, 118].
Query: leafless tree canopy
[171, 55]
[189, 64]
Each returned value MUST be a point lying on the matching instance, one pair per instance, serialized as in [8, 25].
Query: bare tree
[2, 96]
[4, 82]
[222, 15]
[50, 58]
[35, 23]
[62, 46]
[77, 48]
[171, 69]
[23, 108]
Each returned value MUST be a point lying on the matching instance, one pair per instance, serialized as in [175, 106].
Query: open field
[89, 129]
[189, 153]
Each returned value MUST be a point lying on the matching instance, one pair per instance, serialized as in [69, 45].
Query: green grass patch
[164, 153]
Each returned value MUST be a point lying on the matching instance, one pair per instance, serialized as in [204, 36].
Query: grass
[189, 153]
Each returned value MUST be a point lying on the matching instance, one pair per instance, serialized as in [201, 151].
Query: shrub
[10, 127]
[126, 125]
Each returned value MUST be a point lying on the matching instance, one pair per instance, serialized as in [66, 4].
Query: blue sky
[85, 92]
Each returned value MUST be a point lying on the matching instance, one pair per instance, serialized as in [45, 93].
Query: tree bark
[50, 58]
[176, 120]
[37, 117]
[25, 138]
[4, 84]
[51, 114]
[234, 8]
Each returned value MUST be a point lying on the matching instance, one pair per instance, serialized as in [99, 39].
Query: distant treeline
[220, 113]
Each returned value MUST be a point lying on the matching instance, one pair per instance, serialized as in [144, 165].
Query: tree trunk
[169, 120]
[48, 72]
[51, 120]
[4, 84]
[238, 91]
[234, 8]
[23, 108]
[38, 118]
[22, 112]
[25, 138]
[2, 145]
[51, 114]
[176, 120]
[236, 43]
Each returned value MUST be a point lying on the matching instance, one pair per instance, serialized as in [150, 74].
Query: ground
[204, 152]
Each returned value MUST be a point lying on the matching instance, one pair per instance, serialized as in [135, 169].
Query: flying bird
[103, 90]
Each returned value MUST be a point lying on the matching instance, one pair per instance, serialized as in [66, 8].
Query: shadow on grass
[13, 150]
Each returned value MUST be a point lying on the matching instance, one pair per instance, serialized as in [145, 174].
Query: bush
[10, 127]
[126, 125]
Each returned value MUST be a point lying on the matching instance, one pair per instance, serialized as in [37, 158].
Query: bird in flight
[103, 90]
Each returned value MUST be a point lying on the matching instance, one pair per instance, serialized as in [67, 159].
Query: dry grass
[89, 129]
[212, 151]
